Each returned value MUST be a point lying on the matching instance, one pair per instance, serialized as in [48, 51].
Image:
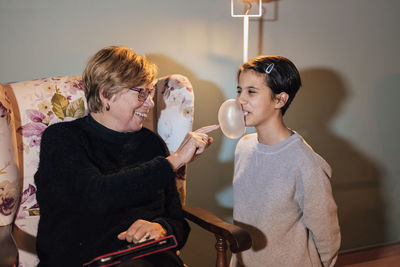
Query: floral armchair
[27, 108]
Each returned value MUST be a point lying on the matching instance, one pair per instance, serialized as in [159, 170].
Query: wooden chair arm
[238, 239]
[8, 251]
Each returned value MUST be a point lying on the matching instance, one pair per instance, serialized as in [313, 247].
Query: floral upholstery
[177, 96]
[9, 178]
[40, 103]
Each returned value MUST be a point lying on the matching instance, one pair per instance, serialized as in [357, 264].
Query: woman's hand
[192, 146]
[141, 231]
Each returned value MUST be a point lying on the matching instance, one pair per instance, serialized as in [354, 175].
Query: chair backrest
[31, 106]
[9, 181]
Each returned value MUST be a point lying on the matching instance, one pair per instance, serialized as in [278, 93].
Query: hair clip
[269, 68]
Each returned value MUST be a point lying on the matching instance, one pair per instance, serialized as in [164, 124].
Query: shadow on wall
[385, 126]
[206, 175]
[356, 178]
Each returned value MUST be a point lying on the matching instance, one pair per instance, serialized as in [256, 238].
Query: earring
[107, 107]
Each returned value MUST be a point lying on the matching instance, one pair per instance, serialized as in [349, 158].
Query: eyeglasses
[143, 93]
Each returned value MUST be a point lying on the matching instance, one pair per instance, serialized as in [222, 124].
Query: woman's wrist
[175, 162]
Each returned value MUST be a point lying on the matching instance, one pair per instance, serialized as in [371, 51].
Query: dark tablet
[133, 251]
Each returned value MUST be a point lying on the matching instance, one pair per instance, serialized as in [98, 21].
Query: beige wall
[346, 51]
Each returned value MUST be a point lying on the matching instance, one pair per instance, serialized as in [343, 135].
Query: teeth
[141, 114]
[245, 113]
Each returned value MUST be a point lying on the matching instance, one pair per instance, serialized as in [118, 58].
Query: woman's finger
[145, 237]
[133, 232]
[207, 129]
[193, 145]
[122, 236]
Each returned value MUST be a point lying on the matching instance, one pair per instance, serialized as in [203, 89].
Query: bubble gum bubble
[231, 119]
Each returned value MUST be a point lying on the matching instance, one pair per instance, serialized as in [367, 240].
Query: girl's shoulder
[247, 144]
[308, 158]
[248, 138]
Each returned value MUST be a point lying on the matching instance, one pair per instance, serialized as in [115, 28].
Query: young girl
[282, 192]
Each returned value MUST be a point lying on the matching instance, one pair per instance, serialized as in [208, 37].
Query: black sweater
[93, 183]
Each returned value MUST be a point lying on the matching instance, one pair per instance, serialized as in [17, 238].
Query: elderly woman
[114, 179]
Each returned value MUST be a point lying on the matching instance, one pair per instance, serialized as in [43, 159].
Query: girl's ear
[281, 99]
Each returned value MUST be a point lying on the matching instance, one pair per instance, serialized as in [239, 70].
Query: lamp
[246, 9]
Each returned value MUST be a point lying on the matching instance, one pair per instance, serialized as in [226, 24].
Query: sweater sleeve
[66, 176]
[174, 221]
[320, 212]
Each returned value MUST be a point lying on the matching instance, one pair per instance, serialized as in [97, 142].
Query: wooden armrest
[8, 251]
[239, 239]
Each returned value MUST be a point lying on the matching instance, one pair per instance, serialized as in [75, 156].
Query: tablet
[133, 251]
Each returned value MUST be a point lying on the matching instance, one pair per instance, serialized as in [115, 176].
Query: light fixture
[246, 9]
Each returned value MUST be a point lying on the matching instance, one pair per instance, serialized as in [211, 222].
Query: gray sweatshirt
[283, 197]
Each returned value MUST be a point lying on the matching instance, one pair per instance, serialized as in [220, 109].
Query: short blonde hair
[113, 69]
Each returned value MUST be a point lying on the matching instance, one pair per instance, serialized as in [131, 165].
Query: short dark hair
[282, 76]
[113, 69]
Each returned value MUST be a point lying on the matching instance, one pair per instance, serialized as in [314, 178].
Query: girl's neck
[272, 134]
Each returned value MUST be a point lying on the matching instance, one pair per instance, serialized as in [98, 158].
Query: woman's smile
[141, 114]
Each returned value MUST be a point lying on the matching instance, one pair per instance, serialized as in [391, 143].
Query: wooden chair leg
[239, 239]
[221, 251]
